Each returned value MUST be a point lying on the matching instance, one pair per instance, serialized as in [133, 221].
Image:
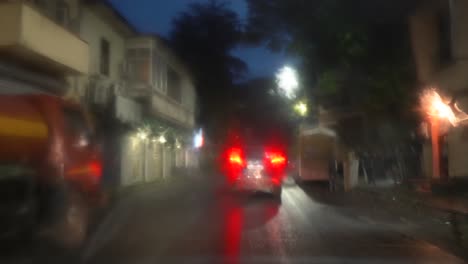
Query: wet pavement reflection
[212, 225]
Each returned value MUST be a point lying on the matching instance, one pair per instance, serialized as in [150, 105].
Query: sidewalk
[440, 219]
[420, 194]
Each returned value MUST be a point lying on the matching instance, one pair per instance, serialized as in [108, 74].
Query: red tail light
[235, 157]
[95, 168]
[275, 158]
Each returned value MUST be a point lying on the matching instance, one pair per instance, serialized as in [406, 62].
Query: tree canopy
[204, 36]
[353, 51]
[356, 55]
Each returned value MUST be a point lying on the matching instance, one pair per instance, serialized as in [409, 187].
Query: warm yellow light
[301, 108]
[162, 139]
[434, 106]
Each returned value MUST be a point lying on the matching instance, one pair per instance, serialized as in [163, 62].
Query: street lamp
[287, 81]
[438, 112]
[301, 108]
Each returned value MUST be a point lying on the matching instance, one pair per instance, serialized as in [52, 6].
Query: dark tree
[204, 36]
[357, 62]
[356, 54]
[356, 50]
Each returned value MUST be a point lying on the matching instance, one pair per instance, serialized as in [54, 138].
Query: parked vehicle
[317, 149]
[50, 168]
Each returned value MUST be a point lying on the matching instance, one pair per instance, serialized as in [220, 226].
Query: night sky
[155, 16]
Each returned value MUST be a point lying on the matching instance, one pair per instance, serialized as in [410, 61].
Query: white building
[85, 50]
[157, 78]
[142, 84]
[440, 49]
[39, 46]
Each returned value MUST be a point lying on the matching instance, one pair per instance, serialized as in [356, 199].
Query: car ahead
[255, 168]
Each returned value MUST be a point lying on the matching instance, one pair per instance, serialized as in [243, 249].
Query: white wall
[131, 160]
[459, 13]
[163, 55]
[92, 29]
[457, 151]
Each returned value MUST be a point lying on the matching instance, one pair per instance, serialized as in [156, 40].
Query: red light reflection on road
[233, 234]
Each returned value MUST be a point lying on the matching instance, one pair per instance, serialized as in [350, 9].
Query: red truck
[50, 168]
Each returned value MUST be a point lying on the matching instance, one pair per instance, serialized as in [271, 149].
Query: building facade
[158, 79]
[39, 47]
[141, 94]
[440, 50]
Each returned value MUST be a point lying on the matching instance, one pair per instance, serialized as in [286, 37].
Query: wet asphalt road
[210, 225]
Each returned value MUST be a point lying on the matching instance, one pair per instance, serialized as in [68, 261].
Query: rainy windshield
[233, 131]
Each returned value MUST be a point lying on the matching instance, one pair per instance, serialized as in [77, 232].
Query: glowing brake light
[276, 159]
[95, 168]
[235, 157]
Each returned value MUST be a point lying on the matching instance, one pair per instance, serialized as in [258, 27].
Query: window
[160, 74]
[39, 3]
[105, 57]
[445, 34]
[174, 90]
[139, 64]
[62, 13]
[138, 70]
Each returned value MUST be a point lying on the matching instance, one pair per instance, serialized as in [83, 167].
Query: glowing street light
[287, 81]
[301, 108]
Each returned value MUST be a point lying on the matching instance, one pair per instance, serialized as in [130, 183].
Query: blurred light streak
[198, 139]
[233, 234]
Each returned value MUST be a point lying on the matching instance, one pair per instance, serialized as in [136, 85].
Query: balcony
[137, 90]
[163, 106]
[30, 37]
